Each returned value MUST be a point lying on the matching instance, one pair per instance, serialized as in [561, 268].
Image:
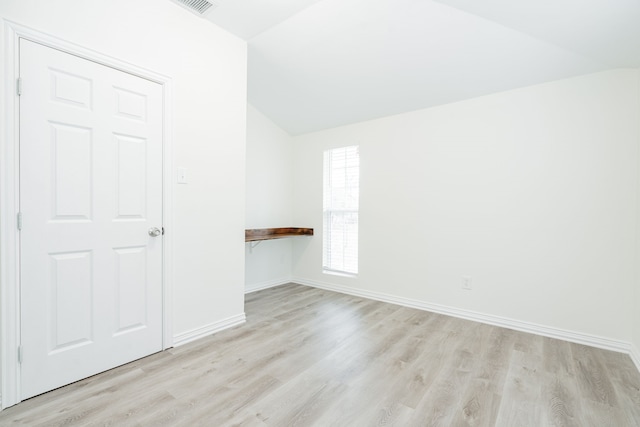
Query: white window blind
[340, 208]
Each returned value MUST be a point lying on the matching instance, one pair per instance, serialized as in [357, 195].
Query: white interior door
[90, 190]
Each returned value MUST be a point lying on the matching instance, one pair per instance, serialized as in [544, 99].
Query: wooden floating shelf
[257, 234]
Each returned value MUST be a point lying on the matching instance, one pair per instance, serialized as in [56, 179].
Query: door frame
[10, 35]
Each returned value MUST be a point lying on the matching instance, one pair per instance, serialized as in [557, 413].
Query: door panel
[131, 289]
[90, 188]
[71, 148]
[132, 171]
[69, 300]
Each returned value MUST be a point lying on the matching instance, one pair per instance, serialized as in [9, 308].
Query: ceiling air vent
[199, 7]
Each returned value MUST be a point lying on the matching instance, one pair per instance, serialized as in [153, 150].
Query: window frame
[341, 205]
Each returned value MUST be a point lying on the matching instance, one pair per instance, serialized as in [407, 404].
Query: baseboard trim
[575, 337]
[206, 330]
[254, 287]
[634, 353]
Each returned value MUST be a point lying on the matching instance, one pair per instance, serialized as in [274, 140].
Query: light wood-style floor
[309, 357]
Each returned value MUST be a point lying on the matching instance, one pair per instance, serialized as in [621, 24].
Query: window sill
[339, 273]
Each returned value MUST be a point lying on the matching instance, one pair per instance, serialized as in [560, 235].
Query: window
[340, 209]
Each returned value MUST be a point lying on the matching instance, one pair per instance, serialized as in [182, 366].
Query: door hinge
[20, 354]
[19, 220]
[163, 231]
[19, 86]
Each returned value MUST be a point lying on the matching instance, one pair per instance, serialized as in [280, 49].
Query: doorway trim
[12, 32]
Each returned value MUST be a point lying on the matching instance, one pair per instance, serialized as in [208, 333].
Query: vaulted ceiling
[316, 64]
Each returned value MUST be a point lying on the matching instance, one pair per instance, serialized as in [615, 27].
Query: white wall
[531, 192]
[208, 68]
[269, 203]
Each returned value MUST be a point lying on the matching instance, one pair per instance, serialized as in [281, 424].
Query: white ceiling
[248, 18]
[316, 64]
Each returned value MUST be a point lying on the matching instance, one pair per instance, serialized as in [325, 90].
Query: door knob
[154, 232]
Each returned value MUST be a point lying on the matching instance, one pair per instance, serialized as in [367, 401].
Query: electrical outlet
[466, 283]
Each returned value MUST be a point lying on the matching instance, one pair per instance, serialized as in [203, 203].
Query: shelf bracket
[253, 245]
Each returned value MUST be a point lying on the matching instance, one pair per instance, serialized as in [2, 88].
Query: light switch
[182, 175]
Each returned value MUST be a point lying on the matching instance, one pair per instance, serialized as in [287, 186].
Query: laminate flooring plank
[280, 294]
[562, 406]
[294, 400]
[423, 336]
[308, 409]
[63, 401]
[312, 357]
[415, 347]
[558, 358]
[423, 376]
[499, 346]
[480, 400]
[593, 381]
[198, 371]
[441, 402]
[368, 370]
[121, 413]
[435, 322]
[598, 414]
[521, 403]
[230, 404]
[624, 375]
[391, 414]
[276, 333]
[631, 410]
[495, 358]
[419, 318]
[474, 337]
[399, 390]
[528, 343]
[332, 351]
[479, 405]
[438, 389]
[317, 346]
[625, 379]
[233, 369]
[282, 306]
[338, 365]
[560, 389]
[362, 397]
[310, 306]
